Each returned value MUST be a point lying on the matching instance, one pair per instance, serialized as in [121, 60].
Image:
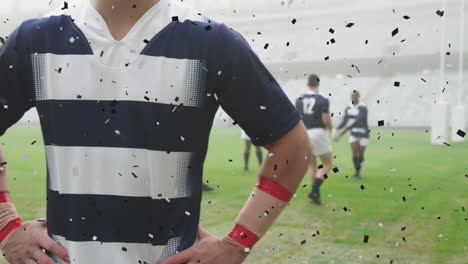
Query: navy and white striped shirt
[355, 120]
[126, 123]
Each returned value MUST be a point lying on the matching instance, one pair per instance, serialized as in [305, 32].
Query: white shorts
[244, 136]
[362, 141]
[320, 141]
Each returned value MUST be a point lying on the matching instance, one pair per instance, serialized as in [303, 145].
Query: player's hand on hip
[29, 243]
[209, 249]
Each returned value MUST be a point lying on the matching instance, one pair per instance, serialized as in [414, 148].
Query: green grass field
[431, 226]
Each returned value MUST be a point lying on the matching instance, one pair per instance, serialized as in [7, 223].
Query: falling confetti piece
[440, 13]
[461, 133]
[366, 239]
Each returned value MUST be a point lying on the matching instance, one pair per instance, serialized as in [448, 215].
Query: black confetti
[266, 46]
[396, 84]
[394, 32]
[349, 25]
[406, 17]
[461, 133]
[208, 28]
[294, 21]
[331, 30]
[175, 18]
[366, 239]
[381, 123]
[65, 6]
[440, 13]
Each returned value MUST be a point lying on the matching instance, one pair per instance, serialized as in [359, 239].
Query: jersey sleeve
[248, 92]
[14, 97]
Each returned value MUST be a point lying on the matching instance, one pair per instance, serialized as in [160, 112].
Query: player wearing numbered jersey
[126, 93]
[355, 121]
[314, 109]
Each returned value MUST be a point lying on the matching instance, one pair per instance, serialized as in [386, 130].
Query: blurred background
[398, 74]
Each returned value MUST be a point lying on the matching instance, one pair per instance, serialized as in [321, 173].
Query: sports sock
[260, 157]
[246, 160]
[357, 163]
[316, 186]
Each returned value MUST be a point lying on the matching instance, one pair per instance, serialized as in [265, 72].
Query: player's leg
[259, 155]
[320, 176]
[362, 148]
[356, 149]
[313, 174]
[248, 144]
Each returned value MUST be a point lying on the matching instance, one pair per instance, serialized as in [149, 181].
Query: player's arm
[278, 179]
[21, 242]
[326, 117]
[328, 123]
[341, 129]
[253, 98]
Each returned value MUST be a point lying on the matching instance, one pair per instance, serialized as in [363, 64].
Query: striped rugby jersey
[355, 119]
[126, 123]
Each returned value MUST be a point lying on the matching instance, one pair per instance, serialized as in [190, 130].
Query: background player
[248, 145]
[315, 114]
[355, 121]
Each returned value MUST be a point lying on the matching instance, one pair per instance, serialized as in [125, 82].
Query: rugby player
[126, 93]
[355, 121]
[314, 109]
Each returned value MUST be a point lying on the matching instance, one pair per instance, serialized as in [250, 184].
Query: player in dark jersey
[314, 109]
[127, 92]
[355, 121]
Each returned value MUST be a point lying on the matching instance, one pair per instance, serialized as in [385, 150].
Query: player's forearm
[9, 219]
[285, 168]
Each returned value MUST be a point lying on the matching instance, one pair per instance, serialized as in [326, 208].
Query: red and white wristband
[12, 224]
[244, 236]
